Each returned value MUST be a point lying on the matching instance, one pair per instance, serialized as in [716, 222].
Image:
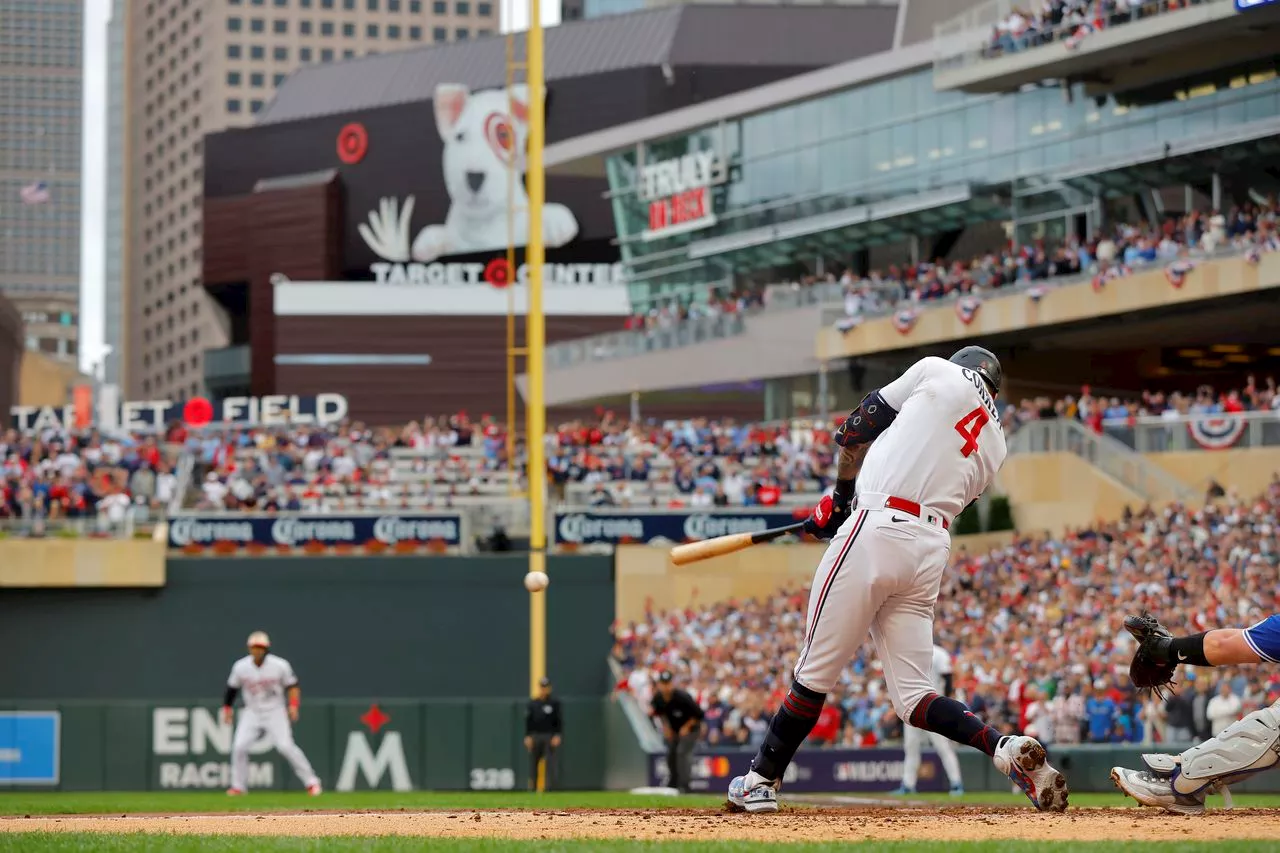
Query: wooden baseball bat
[692, 552]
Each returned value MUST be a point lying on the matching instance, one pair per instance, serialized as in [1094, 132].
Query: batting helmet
[259, 638]
[984, 363]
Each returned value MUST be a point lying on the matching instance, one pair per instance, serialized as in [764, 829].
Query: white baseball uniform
[263, 691]
[883, 568]
[913, 738]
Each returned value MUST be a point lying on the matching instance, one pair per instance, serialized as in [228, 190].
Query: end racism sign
[154, 415]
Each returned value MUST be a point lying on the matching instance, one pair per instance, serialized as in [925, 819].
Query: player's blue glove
[831, 511]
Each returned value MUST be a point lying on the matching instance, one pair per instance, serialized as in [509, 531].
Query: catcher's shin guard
[1245, 747]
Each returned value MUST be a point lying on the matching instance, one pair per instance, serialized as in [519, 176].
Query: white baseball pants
[913, 747]
[274, 725]
[880, 574]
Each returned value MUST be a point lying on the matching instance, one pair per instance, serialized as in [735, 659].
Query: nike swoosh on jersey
[895, 518]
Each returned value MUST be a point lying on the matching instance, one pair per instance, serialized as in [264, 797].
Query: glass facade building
[117, 191]
[878, 162]
[40, 115]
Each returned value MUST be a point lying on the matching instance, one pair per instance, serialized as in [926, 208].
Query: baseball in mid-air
[536, 581]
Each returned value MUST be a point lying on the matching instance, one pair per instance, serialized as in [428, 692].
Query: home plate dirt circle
[937, 824]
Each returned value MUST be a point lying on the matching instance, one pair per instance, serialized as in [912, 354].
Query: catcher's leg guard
[1245, 747]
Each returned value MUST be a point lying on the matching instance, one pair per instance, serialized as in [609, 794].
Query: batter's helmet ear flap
[982, 362]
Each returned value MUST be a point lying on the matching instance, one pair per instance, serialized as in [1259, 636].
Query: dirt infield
[935, 824]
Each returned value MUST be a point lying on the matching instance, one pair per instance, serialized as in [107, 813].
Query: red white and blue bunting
[1216, 432]
[1176, 272]
[1118, 271]
[967, 308]
[905, 320]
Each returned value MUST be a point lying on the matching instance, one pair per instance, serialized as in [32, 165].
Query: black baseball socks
[954, 721]
[787, 730]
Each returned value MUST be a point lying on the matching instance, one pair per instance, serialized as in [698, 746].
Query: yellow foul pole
[535, 341]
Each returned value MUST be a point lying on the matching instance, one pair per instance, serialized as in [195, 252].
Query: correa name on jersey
[985, 393]
[294, 530]
[587, 528]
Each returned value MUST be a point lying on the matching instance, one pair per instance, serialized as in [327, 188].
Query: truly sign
[679, 193]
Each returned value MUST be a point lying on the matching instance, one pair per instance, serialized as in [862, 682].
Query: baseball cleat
[236, 792]
[1151, 789]
[1024, 760]
[763, 797]
[314, 789]
[957, 790]
[737, 791]
[903, 791]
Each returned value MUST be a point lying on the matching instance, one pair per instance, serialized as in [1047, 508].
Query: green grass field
[20, 805]
[159, 802]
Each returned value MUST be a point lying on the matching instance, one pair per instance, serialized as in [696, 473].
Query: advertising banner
[30, 743]
[814, 771]
[294, 530]
[615, 528]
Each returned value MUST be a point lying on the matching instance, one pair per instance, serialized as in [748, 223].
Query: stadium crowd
[1109, 253]
[1044, 21]
[448, 460]
[91, 483]
[1097, 411]
[1035, 631]
[453, 460]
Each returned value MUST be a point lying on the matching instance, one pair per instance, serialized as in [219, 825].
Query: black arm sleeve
[229, 698]
[555, 717]
[948, 684]
[872, 417]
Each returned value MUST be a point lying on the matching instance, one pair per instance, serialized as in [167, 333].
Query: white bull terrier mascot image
[484, 136]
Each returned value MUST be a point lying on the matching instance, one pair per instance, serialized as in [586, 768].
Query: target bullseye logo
[353, 143]
[197, 412]
[498, 273]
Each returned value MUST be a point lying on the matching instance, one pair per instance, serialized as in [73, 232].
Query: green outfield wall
[376, 743]
[406, 627]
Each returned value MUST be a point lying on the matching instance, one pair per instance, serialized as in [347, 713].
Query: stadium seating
[96, 485]
[1035, 628]
[1070, 21]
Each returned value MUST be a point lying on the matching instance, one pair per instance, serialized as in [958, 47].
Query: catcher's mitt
[1151, 668]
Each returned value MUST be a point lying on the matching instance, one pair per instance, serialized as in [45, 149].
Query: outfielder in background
[263, 680]
[913, 738]
[921, 449]
[1180, 783]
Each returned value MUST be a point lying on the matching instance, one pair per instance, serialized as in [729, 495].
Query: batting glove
[826, 518]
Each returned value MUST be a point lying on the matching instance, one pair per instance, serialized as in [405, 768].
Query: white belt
[926, 514]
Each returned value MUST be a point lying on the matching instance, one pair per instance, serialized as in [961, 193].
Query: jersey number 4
[969, 426]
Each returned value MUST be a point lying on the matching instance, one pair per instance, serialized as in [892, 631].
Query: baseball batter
[913, 738]
[264, 680]
[921, 449]
[1180, 783]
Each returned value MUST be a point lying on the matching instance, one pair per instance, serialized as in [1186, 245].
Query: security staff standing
[681, 725]
[542, 733]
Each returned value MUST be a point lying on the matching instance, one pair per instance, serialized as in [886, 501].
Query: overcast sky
[515, 15]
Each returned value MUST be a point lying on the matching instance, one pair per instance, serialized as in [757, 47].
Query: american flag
[37, 193]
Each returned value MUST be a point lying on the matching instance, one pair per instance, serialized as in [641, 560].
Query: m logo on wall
[361, 760]
[485, 134]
